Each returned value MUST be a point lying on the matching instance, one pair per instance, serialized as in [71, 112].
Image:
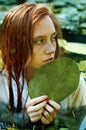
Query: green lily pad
[56, 79]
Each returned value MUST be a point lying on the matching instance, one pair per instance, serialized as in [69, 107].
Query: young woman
[29, 39]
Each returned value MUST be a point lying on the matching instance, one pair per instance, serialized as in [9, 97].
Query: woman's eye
[53, 38]
[38, 41]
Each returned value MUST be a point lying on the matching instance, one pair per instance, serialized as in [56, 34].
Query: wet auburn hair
[17, 41]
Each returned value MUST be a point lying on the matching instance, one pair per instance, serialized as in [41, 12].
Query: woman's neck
[29, 72]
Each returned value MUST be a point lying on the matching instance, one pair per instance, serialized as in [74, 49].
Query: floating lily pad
[56, 79]
[78, 48]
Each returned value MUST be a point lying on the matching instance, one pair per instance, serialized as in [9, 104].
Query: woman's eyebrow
[43, 36]
[55, 33]
[40, 36]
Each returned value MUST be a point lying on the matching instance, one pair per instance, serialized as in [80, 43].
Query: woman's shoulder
[82, 82]
[78, 97]
[4, 92]
[3, 76]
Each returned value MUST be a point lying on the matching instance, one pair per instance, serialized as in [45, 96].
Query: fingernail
[48, 101]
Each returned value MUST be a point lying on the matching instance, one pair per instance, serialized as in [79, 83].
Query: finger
[36, 118]
[36, 100]
[55, 105]
[33, 114]
[49, 108]
[36, 107]
[46, 114]
[44, 120]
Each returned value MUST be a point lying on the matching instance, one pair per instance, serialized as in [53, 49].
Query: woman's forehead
[43, 27]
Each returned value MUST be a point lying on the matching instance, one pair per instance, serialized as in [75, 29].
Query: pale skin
[44, 47]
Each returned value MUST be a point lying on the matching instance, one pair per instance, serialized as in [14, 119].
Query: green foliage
[56, 79]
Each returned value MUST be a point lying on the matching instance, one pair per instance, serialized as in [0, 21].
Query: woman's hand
[49, 112]
[35, 108]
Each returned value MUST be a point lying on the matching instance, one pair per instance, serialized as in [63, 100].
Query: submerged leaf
[56, 79]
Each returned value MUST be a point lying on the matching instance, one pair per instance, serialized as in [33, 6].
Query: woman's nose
[50, 48]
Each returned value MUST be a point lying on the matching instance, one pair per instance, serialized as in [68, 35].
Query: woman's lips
[48, 60]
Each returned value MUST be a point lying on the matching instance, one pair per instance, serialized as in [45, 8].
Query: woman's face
[44, 44]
